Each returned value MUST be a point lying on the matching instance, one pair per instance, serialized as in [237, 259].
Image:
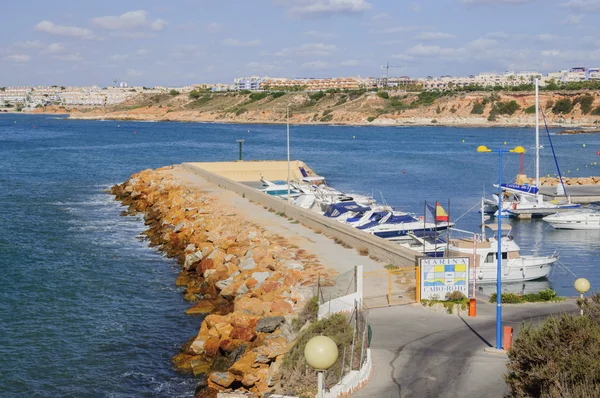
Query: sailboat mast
[537, 133]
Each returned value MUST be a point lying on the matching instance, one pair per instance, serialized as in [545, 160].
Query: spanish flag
[440, 213]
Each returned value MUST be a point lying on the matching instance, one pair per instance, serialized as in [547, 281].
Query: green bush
[455, 296]
[557, 359]
[317, 96]
[257, 96]
[596, 111]
[245, 92]
[327, 118]
[585, 103]
[174, 92]
[383, 94]
[297, 378]
[194, 94]
[478, 109]
[549, 104]
[278, 94]
[240, 111]
[507, 298]
[530, 110]
[341, 101]
[506, 108]
[308, 314]
[371, 118]
[562, 106]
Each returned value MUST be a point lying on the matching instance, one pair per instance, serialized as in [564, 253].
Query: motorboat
[280, 189]
[392, 225]
[575, 220]
[483, 252]
[430, 245]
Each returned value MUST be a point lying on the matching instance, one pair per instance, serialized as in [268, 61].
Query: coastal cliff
[562, 108]
[248, 284]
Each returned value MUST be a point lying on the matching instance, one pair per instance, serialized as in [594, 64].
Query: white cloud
[350, 62]
[128, 20]
[497, 1]
[213, 27]
[316, 65]
[396, 29]
[320, 34]
[261, 67]
[54, 48]
[69, 57]
[240, 43]
[415, 7]
[497, 35]
[134, 72]
[18, 58]
[545, 37]
[307, 8]
[142, 52]
[308, 49]
[551, 53]
[381, 17]
[434, 36]
[435, 51]
[583, 5]
[131, 20]
[61, 30]
[403, 57]
[482, 44]
[573, 19]
[159, 25]
[28, 45]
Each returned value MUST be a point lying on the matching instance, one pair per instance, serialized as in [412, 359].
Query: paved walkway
[420, 353]
[330, 254]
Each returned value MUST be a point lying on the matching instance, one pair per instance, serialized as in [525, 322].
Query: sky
[182, 42]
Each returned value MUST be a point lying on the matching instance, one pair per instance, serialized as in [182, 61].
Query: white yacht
[574, 220]
[515, 267]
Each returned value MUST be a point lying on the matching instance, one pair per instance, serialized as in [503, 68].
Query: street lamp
[288, 151]
[582, 285]
[320, 353]
[518, 149]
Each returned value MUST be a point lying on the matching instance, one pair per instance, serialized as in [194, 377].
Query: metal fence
[353, 354]
[343, 285]
[393, 286]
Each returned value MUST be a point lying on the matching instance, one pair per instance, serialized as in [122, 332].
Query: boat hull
[519, 270]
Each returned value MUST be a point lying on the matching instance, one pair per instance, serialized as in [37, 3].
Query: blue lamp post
[518, 149]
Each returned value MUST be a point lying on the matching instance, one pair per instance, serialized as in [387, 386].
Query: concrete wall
[353, 381]
[253, 171]
[380, 248]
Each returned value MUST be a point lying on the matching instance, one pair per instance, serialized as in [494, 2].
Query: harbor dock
[583, 194]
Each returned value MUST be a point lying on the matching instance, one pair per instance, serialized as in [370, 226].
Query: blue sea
[88, 309]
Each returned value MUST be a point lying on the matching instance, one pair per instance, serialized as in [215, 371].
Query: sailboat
[524, 200]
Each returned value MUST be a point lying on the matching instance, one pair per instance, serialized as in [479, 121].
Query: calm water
[87, 309]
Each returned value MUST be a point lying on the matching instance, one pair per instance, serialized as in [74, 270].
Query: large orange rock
[252, 305]
[243, 365]
[222, 379]
[281, 307]
[243, 333]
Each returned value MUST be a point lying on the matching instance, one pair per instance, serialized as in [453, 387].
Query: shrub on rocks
[557, 359]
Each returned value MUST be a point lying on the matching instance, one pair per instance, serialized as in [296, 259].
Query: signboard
[444, 275]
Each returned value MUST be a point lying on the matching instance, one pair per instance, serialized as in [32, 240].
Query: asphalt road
[420, 353]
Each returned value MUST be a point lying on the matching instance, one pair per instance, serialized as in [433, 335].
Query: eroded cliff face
[344, 108]
[249, 284]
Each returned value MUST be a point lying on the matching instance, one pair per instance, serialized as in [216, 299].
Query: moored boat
[484, 254]
[581, 220]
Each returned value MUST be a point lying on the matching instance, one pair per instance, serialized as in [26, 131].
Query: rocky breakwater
[553, 181]
[248, 284]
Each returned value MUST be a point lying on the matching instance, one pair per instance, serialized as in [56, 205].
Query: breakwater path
[247, 270]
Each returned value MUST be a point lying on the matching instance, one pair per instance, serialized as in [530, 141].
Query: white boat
[431, 245]
[524, 200]
[574, 220]
[515, 267]
[279, 189]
